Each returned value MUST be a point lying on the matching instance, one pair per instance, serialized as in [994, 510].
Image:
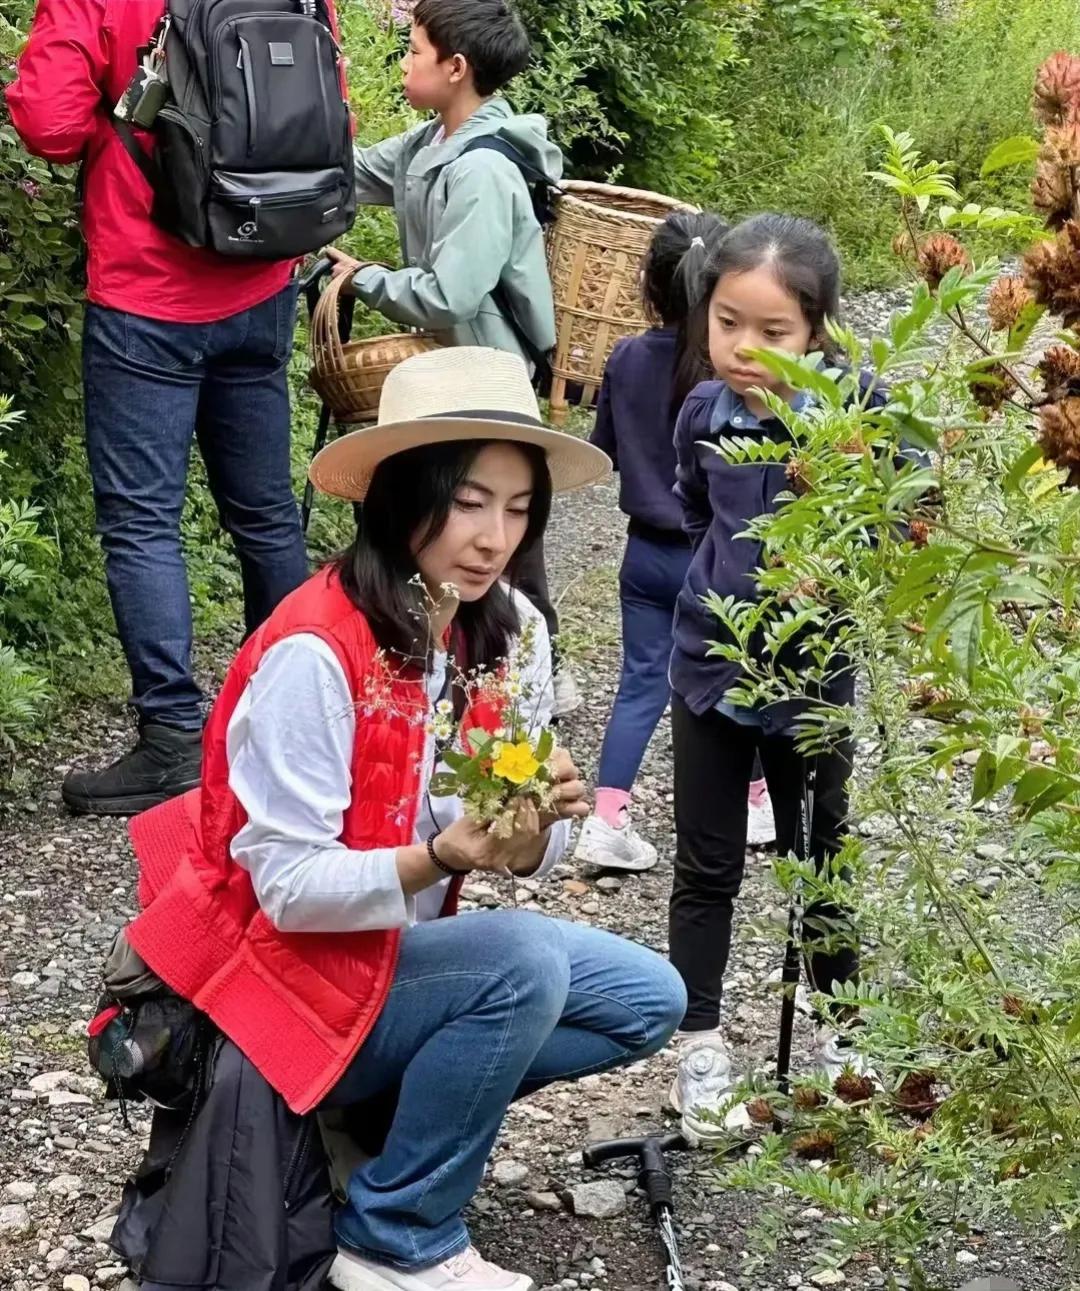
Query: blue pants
[151, 387]
[485, 1008]
[650, 580]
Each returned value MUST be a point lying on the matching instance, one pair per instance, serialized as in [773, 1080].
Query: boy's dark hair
[801, 256]
[488, 34]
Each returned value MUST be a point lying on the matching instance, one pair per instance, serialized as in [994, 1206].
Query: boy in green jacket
[472, 246]
[465, 214]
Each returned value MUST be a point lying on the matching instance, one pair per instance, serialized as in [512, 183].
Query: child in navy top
[634, 425]
[770, 284]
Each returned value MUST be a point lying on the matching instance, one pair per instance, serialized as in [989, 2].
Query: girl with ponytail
[644, 384]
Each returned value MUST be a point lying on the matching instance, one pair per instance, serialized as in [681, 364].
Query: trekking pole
[655, 1179]
[311, 286]
[789, 977]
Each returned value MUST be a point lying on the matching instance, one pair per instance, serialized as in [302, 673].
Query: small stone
[65, 1098]
[575, 888]
[609, 883]
[58, 1259]
[100, 1230]
[811, 1213]
[108, 1274]
[721, 1286]
[535, 1113]
[64, 1183]
[510, 1174]
[601, 1200]
[20, 1190]
[988, 884]
[14, 1220]
[966, 1257]
[66, 1143]
[49, 987]
[76, 1282]
[828, 1278]
[991, 852]
[25, 980]
[50, 1080]
[543, 1201]
[590, 907]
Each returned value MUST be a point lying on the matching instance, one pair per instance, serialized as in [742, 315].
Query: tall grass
[806, 133]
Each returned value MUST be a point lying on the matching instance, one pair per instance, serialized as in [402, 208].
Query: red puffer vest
[298, 1005]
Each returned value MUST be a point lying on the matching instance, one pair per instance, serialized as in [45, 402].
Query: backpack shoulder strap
[146, 164]
[495, 143]
[532, 176]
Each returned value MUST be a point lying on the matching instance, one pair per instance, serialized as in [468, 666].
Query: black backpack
[253, 149]
[544, 195]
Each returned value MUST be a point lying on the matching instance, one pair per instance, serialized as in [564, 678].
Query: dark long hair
[801, 256]
[412, 493]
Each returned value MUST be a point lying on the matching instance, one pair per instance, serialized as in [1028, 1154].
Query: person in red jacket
[298, 897]
[179, 343]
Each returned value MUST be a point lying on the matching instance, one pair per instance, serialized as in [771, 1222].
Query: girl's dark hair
[674, 263]
[488, 34]
[412, 493]
[805, 263]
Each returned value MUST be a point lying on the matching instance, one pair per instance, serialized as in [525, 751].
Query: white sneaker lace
[468, 1261]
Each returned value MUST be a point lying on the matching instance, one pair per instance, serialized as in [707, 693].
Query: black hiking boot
[164, 763]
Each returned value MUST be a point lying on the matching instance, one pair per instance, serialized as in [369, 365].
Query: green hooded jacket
[466, 224]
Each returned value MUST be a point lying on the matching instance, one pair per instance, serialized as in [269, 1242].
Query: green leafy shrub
[952, 584]
[805, 122]
[23, 690]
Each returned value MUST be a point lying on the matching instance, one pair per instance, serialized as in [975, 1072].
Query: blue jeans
[485, 1008]
[150, 388]
[650, 580]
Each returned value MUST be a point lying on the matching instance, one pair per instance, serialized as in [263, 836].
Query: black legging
[714, 761]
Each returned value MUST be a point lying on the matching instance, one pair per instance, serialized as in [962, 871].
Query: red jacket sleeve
[58, 90]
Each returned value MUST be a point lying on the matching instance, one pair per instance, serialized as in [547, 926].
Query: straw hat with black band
[453, 394]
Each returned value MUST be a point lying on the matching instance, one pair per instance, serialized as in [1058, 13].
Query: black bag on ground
[252, 149]
[231, 1196]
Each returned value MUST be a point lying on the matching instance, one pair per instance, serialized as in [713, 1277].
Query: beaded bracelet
[441, 865]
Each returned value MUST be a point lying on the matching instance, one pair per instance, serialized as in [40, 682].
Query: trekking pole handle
[643, 1149]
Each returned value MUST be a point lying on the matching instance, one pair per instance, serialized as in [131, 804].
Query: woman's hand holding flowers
[568, 798]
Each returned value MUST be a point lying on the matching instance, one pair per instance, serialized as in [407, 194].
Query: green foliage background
[739, 106]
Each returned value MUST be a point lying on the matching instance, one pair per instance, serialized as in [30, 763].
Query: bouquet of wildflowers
[491, 771]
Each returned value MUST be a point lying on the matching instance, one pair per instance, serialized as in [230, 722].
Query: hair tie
[698, 242]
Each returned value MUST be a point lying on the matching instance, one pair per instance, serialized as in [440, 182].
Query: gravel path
[67, 884]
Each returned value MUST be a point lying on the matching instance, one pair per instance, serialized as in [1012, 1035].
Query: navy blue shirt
[718, 501]
[635, 426]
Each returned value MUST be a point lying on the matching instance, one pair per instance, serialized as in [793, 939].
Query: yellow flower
[516, 763]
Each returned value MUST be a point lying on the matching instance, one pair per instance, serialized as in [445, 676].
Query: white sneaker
[568, 698]
[702, 1085]
[760, 826]
[613, 849]
[836, 1054]
[466, 1271]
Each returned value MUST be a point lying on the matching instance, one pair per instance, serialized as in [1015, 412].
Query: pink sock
[758, 790]
[612, 806]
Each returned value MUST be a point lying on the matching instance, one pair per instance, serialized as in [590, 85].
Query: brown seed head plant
[1059, 436]
[1006, 301]
[1052, 272]
[818, 1145]
[1059, 369]
[937, 255]
[850, 1087]
[1057, 89]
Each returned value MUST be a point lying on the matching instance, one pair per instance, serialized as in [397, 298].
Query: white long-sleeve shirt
[289, 746]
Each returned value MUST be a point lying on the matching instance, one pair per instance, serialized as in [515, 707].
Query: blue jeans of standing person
[485, 1008]
[151, 388]
[650, 580]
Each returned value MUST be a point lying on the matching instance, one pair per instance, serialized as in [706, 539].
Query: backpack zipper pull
[255, 203]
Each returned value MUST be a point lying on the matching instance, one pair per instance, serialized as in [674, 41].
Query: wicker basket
[595, 249]
[349, 375]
